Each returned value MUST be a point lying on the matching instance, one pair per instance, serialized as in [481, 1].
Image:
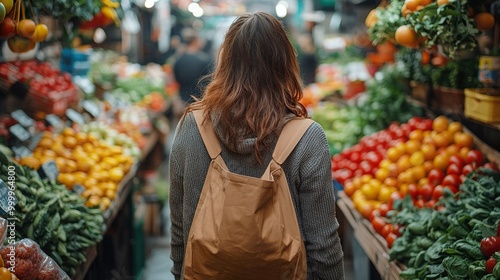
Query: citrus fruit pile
[83, 159]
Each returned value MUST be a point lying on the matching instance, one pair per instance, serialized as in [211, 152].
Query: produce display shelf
[125, 187]
[373, 244]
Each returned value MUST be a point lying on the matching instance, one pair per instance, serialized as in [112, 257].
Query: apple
[7, 28]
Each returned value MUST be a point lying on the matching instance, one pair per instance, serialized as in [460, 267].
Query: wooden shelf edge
[373, 245]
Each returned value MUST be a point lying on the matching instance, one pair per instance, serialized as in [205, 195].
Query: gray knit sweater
[308, 172]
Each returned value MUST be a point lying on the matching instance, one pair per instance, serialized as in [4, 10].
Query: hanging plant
[384, 21]
[445, 24]
[69, 14]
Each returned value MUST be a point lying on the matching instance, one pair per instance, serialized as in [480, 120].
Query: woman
[254, 90]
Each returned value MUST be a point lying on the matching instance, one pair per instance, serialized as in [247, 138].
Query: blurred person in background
[253, 92]
[192, 64]
[308, 60]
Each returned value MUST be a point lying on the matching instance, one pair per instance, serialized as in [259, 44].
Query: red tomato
[451, 180]
[390, 238]
[384, 208]
[394, 196]
[475, 157]
[491, 165]
[468, 168]
[396, 229]
[456, 159]
[413, 190]
[374, 158]
[431, 203]
[378, 223]
[352, 166]
[437, 193]
[406, 128]
[366, 167]
[425, 124]
[453, 189]
[435, 176]
[425, 191]
[419, 203]
[386, 230]
[454, 169]
[355, 157]
[373, 214]
[490, 264]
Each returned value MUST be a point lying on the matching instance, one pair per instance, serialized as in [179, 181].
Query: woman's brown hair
[256, 83]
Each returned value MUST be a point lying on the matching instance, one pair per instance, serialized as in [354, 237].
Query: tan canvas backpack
[246, 227]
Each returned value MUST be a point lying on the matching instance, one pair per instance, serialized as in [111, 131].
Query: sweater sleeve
[317, 208]
[176, 204]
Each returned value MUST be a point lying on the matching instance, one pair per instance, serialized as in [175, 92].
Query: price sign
[55, 122]
[20, 133]
[7, 198]
[49, 170]
[79, 189]
[21, 151]
[91, 108]
[22, 118]
[33, 142]
[75, 117]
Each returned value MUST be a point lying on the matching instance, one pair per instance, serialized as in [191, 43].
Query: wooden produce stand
[118, 210]
[372, 243]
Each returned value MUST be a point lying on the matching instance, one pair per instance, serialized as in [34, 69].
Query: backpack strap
[289, 137]
[207, 134]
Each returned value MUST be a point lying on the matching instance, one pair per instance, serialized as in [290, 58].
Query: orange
[484, 21]
[365, 178]
[90, 182]
[105, 203]
[417, 135]
[384, 163]
[45, 142]
[417, 158]
[406, 36]
[418, 172]
[404, 163]
[442, 139]
[412, 146]
[422, 181]
[80, 177]
[440, 123]
[428, 166]
[350, 188]
[390, 182]
[384, 194]
[454, 127]
[429, 150]
[464, 151]
[83, 165]
[110, 194]
[371, 18]
[412, 4]
[443, 2]
[116, 174]
[425, 2]
[441, 161]
[393, 154]
[68, 131]
[70, 142]
[49, 154]
[452, 149]
[463, 139]
[26, 28]
[381, 174]
[40, 34]
[366, 208]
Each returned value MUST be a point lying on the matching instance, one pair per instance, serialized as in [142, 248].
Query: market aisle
[158, 262]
